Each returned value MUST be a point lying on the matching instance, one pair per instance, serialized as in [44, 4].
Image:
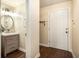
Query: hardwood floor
[47, 52]
[16, 54]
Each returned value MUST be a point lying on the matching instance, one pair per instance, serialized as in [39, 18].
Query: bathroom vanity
[10, 42]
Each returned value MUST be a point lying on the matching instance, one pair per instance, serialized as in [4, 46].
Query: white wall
[45, 14]
[19, 28]
[0, 43]
[21, 23]
[44, 33]
[75, 43]
[33, 29]
[44, 29]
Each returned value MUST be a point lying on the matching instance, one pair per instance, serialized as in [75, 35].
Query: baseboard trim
[22, 49]
[37, 55]
[44, 45]
[73, 54]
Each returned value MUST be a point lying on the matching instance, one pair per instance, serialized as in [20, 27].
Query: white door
[58, 28]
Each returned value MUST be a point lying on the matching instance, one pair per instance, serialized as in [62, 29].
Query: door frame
[69, 26]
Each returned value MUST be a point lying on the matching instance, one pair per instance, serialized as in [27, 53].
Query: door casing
[69, 6]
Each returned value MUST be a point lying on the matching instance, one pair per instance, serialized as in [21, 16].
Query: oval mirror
[6, 22]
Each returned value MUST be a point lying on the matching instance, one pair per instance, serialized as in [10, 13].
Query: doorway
[13, 28]
[55, 26]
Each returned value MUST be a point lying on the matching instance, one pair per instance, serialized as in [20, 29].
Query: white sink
[6, 34]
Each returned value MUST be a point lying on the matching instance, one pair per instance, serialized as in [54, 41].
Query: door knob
[25, 34]
[66, 31]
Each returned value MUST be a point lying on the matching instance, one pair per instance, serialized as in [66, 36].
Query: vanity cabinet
[9, 43]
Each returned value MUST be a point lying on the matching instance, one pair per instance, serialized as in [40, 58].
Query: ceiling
[44, 3]
[13, 3]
